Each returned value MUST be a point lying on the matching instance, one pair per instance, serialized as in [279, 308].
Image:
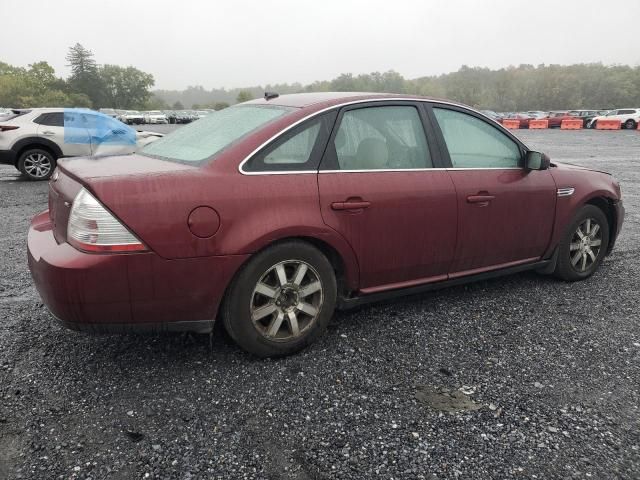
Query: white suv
[33, 140]
[629, 117]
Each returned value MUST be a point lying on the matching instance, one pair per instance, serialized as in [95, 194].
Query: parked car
[171, 116]
[629, 117]
[523, 117]
[585, 115]
[110, 112]
[555, 118]
[272, 213]
[155, 117]
[537, 114]
[132, 117]
[183, 116]
[492, 115]
[33, 140]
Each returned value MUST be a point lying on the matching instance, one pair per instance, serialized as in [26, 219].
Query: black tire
[565, 268]
[243, 298]
[36, 164]
[630, 124]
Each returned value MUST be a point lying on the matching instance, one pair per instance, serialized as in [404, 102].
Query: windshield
[201, 140]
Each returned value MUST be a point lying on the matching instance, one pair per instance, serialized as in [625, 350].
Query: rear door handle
[350, 205]
[485, 199]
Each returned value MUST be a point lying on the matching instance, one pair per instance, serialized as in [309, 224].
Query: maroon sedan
[522, 117]
[272, 213]
[555, 118]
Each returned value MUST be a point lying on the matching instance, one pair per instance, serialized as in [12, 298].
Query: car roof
[303, 100]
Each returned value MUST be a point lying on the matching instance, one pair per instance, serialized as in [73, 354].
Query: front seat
[372, 154]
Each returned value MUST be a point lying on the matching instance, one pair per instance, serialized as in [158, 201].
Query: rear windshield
[201, 140]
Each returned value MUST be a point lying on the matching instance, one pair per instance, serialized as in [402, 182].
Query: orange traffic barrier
[535, 124]
[511, 124]
[603, 124]
[568, 124]
[638, 125]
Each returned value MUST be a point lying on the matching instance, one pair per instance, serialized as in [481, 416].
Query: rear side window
[474, 143]
[379, 138]
[54, 119]
[626, 112]
[200, 140]
[297, 150]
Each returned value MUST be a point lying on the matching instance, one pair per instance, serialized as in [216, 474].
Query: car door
[505, 212]
[378, 188]
[60, 128]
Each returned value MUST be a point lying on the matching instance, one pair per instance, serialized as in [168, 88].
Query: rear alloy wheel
[584, 246]
[36, 164]
[281, 301]
[630, 124]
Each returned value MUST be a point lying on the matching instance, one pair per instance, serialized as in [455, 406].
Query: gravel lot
[550, 371]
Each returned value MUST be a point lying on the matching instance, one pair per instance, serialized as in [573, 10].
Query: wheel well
[335, 259]
[331, 253]
[606, 205]
[34, 145]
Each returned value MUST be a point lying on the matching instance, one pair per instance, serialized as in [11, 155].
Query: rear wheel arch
[346, 277]
[34, 142]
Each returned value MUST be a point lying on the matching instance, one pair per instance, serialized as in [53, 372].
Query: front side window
[379, 138]
[200, 140]
[474, 143]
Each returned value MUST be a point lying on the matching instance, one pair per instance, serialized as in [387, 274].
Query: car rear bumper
[8, 157]
[125, 292]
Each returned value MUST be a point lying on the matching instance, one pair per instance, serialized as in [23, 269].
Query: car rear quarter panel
[254, 211]
[588, 186]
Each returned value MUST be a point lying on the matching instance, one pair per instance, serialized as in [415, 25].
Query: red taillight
[93, 228]
[6, 128]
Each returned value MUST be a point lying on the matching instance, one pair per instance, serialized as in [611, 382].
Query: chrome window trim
[356, 102]
[438, 169]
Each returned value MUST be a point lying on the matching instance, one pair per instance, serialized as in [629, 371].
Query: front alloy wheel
[585, 245]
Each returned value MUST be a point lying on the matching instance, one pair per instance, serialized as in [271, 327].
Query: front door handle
[350, 205]
[481, 199]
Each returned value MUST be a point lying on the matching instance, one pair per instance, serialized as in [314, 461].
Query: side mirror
[536, 161]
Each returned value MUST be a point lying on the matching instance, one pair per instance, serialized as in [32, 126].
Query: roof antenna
[270, 95]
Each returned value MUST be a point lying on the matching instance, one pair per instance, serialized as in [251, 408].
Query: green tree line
[89, 85]
[515, 88]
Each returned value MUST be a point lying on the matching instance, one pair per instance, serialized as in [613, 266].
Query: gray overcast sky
[228, 43]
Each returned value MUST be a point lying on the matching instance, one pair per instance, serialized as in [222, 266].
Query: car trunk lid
[84, 168]
[73, 174]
